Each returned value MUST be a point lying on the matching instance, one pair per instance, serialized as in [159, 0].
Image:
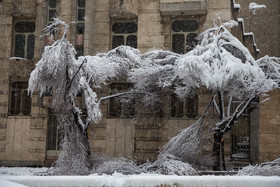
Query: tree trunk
[84, 140]
[223, 154]
[216, 151]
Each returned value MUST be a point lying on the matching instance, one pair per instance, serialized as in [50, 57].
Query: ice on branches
[220, 63]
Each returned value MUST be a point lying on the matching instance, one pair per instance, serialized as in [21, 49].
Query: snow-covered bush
[169, 165]
[262, 170]
[108, 165]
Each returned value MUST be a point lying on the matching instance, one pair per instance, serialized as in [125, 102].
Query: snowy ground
[17, 177]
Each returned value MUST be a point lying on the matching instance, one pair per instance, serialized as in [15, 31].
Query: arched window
[124, 33]
[24, 39]
[184, 35]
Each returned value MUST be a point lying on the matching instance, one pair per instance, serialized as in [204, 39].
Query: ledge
[184, 8]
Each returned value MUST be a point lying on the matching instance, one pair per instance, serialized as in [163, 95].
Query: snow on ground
[26, 176]
[24, 171]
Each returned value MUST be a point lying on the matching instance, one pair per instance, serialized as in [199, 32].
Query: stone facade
[24, 138]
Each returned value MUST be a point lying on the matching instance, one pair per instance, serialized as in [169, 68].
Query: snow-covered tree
[220, 63]
[60, 72]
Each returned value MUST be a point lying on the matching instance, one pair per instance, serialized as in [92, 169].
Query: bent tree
[59, 70]
[219, 63]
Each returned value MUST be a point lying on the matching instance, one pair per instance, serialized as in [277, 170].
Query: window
[240, 135]
[119, 106]
[52, 12]
[124, 33]
[184, 35]
[20, 102]
[80, 28]
[24, 39]
[187, 107]
[54, 135]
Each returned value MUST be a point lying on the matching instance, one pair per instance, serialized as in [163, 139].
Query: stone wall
[264, 25]
[269, 142]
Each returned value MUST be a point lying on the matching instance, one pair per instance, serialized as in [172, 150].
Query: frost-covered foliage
[58, 71]
[108, 165]
[169, 165]
[220, 63]
[186, 145]
[265, 169]
[271, 67]
[73, 158]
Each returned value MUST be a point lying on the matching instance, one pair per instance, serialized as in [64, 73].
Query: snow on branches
[219, 63]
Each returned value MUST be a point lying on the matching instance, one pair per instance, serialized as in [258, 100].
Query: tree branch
[115, 95]
[229, 106]
[221, 104]
[71, 81]
[245, 106]
[215, 105]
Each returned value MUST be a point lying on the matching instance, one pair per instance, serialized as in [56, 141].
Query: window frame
[185, 34]
[79, 36]
[184, 104]
[22, 102]
[49, 41]
[26, 35]
[122, 112]
[240, 134]
[125, 35]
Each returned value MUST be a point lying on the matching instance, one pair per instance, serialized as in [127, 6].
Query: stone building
[28, 128]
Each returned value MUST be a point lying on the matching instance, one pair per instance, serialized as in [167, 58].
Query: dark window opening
[24, 40]
[80, 28]
[184, 107]
[131, 41]
[191, 41]
[191, 106]
[121, 106]
[184, 26]
[177, 107]
[25, 27]
[52, 15]
[19, 45]
[124, 27]
[178, 44]
[117, 41]
[81, 15]
[183, 36]
[20, 101]
[52, 3]
[79, 50]
[54, 133]
[240, 135]
[124, 33]
[81, 3]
